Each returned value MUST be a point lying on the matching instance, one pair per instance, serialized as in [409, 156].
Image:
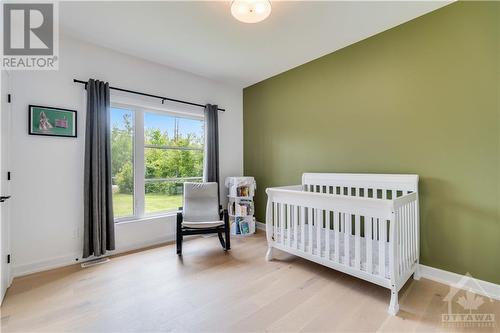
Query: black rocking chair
[202, 214]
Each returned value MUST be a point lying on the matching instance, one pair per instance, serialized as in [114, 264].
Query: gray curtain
[99, 227]
[211, 160]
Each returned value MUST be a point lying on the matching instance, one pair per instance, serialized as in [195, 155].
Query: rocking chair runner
[202, 214]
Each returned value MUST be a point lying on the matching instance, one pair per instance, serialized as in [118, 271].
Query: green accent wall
[420, 98]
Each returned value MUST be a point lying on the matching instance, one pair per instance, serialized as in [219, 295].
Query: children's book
[244, 228]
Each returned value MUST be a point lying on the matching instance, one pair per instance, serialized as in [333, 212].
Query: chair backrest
[201, 202]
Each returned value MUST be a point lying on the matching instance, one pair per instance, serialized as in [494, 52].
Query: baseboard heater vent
[94, 262]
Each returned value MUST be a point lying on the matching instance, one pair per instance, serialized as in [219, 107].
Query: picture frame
[51, 121]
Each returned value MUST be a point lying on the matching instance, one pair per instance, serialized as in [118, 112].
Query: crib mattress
[363, 255]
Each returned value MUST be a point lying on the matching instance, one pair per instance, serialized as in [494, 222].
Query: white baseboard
[480, 287]
[57, 262]
[141, 245]
[45, 265]
[260, 225]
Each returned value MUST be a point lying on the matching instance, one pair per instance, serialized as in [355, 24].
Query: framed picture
[49, 121]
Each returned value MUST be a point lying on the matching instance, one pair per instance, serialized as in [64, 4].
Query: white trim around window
[139, 192]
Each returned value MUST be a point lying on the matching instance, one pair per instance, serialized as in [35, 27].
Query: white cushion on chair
[201, 202]
[202, 225]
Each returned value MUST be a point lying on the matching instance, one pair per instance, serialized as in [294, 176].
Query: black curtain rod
[163, 99]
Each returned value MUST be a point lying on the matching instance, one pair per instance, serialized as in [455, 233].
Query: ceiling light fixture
[250, 11]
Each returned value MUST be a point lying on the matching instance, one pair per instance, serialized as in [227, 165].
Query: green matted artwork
[49, 121]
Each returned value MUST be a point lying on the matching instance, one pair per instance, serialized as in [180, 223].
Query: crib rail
[364, 181]
[361, 235]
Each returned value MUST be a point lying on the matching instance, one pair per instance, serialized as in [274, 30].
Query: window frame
[139, 148]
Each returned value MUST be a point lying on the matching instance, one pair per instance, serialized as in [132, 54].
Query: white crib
[365, 225]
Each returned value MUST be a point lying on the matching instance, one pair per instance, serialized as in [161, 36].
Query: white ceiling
[203, 38]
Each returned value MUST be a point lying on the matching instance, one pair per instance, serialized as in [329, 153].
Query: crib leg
[269, 254]
[416, 274]
[394, 305]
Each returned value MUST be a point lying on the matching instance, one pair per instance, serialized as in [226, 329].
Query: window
[173, 154]
[122, 161]
[153, 154]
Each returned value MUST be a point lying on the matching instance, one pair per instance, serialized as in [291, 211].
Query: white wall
[47, 183]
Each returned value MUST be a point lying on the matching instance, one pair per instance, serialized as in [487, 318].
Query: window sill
[147, 218]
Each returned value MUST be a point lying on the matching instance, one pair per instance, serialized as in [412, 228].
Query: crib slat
[382, 238]
[397, 216]
[336, 228]
[289, 224]
[405, 239]
[282, 223]
[327, 234]
[412, 234]
[413, 227]
[368, 238]
[400, 240]
[393, 259]
[296, 226]
[303, 228]
[408, 231]
[357, 244]
[400, 250]
[275, 221]
[407, 225]
[318, 222]
[347, 234]
[310, 222]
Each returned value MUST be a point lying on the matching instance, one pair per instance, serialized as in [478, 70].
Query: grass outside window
[154, 203]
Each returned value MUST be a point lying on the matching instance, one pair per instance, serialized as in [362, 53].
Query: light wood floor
[210, 290]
